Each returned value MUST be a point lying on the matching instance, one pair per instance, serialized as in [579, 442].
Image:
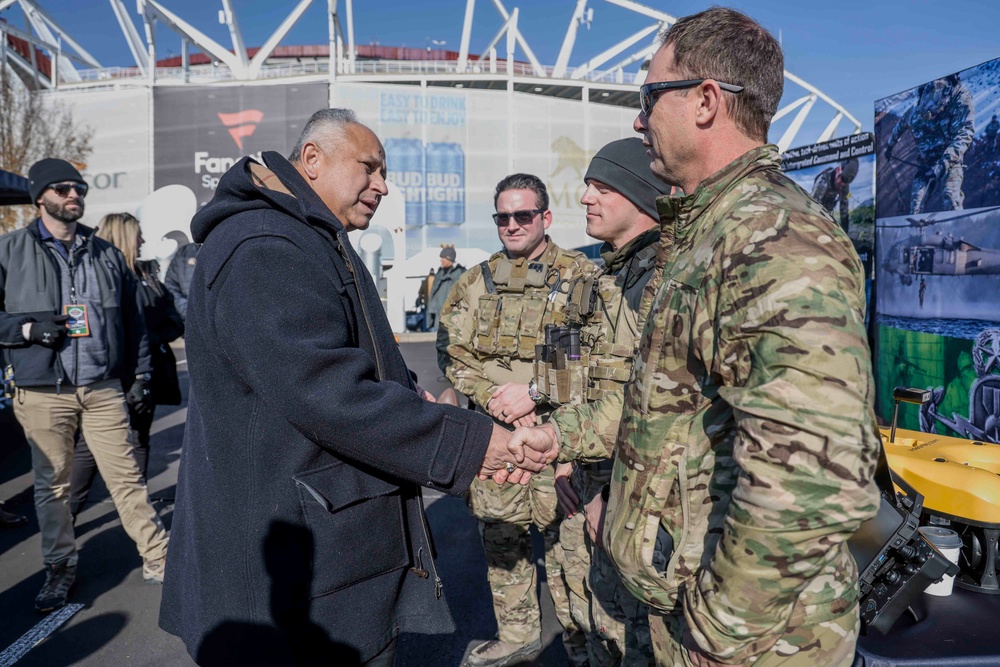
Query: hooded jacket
[30, 290]
[299, 534]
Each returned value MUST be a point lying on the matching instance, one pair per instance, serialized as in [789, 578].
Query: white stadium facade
[453, 123]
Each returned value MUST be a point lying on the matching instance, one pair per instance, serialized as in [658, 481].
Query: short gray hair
[323, 123]
[726, 45]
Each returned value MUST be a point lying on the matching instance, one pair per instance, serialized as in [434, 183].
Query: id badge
[78, 324]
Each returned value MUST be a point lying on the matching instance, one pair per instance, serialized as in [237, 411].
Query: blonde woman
[163, 324]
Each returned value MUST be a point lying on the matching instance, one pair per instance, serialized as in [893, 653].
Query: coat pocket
[357, 525]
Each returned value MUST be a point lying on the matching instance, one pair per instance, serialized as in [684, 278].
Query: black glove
[50, 332]
[140, 396]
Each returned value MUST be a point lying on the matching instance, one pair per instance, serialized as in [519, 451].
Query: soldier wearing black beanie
[624, 165]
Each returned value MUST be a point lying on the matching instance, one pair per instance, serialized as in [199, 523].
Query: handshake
[513, 457]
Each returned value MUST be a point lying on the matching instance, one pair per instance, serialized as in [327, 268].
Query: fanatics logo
[241, 124]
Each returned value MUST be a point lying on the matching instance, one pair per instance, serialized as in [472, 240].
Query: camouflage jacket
[942, 122]
[614, 326]
[492, 336]
[747, 433]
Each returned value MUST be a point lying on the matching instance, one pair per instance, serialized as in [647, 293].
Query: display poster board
[199, 132]
[840, 175]
[938, 252]
[447, 148]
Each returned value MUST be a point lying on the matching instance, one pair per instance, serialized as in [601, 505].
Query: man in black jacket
[72, 331]
[179, 273]
[299, 533]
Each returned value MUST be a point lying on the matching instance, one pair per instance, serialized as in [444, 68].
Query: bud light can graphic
[445, 184]
[405, 166]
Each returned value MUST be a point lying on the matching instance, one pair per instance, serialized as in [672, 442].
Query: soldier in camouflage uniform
[832, 187]
[746, 442]
[943, 123]
[621, 211]
[494, 317]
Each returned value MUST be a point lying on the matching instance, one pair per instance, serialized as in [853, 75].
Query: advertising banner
[447, 148]
[938, 252]
[118, 168]
[201, 131]
[840, 175]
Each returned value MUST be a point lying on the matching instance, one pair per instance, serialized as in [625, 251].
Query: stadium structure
[452, 122]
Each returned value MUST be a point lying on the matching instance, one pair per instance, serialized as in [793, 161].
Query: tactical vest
[522, 297]
[593, 355]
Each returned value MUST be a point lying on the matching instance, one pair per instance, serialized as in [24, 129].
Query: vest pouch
[506, 334]
[610, 367]
[487, 323]
[530, 330]
[568, 380]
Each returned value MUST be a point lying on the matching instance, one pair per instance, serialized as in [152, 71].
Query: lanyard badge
[79, 323]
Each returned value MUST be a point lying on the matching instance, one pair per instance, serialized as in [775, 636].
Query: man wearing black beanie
[621, 211]
[72, 331]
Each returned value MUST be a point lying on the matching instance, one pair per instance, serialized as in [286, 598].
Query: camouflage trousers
[614, 621]
[830, 644]
[506, 513]
[952, 197]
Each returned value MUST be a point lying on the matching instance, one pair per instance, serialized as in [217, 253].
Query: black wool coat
[299, 535]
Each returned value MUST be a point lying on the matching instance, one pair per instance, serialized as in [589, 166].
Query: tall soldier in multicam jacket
[943, 123]
[494, 317]
[747, 442]
[621, 211]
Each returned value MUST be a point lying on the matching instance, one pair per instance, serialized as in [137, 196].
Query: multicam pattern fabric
[515, 320]
[943, 124]
[826, 644]
[747, 439]
[491, 342]
[615, 621]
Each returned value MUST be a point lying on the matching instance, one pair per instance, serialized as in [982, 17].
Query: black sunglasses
[62, 189]
[520, 217]
[649, 91]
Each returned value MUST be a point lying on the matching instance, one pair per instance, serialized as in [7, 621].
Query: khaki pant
[50, 421]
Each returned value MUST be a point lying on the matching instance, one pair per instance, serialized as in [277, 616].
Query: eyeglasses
[649, 91]
[62, 189]
[520, 217]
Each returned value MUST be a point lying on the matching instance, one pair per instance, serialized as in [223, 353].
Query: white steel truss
[637, 47]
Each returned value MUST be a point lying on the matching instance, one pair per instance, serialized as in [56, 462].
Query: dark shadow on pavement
[294, 639]
[70, 645]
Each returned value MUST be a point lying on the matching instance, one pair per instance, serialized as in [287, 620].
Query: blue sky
[854, 51]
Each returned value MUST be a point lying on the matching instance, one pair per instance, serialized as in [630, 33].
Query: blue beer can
[445, 184]
[405, 167]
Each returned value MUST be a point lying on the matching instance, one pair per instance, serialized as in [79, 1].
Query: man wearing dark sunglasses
[746, 444]
[494, 317]
[73, 333]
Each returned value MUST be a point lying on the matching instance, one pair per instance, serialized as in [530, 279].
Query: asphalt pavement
[118, 622]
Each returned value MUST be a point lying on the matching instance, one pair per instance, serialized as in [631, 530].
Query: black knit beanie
[624, 165]
[47, 171]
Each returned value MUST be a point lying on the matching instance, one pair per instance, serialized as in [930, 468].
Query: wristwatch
[533, 393]
[144, 376]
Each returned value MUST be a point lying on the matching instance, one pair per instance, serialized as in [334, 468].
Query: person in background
[178, 278]
[163, 326]
[72, 333]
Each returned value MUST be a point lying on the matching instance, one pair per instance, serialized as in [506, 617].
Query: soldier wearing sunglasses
[72, 331]
[494, 317]
[745, 440]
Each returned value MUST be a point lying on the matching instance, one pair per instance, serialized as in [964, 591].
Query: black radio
[895, 562]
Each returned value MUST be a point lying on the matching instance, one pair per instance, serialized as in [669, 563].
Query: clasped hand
[527, 450]
[511, 404]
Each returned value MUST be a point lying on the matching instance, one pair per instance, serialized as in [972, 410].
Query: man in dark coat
[444, 280]
[179, 273]
[299, 535]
